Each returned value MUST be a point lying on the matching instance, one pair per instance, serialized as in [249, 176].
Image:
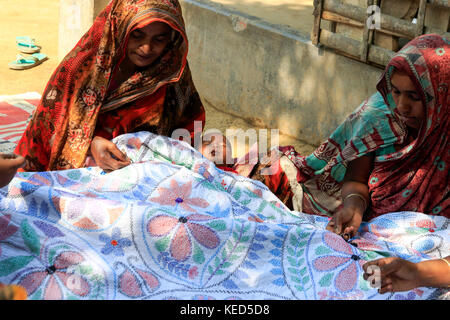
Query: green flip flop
[26, 62]
[27, 45]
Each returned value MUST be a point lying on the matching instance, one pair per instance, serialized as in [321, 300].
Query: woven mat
[15, 112]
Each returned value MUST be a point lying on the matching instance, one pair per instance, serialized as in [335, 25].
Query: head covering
[63, 125]
[414, 178]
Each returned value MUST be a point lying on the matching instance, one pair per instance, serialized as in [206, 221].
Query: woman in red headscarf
[391, 154]
[128, 73]
[412, 174]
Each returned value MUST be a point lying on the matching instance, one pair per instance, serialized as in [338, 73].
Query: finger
[349, 232]
[116, 165]
[368, 264]
[386, 281]
[345, 235]
[378, 262]
[389, 265]
[118, 154]
[338, 224]
[13, 160]
[111, 163]
[386, 289]
[104, 162]
[330, 226]
[18, 161]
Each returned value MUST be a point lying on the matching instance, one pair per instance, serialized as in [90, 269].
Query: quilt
[173, 226]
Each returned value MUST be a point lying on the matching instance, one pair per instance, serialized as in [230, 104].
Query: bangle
[358, 195]
[446, 261]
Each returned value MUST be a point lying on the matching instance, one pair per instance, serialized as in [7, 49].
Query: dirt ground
[40, 20]
[297, 14]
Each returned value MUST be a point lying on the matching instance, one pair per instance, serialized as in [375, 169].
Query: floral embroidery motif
[183, 228]
[6, 229]
[114, 244]
[178, 195]
[55, 276]
[346, 260]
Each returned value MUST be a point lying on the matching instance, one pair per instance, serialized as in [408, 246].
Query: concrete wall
[244, 65]
[75, 18]
[271, 73]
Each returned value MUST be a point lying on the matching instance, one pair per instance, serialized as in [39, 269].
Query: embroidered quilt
[173, 226]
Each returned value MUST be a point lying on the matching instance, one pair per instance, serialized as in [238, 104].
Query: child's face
[146, 44]
[409, 105]
[216, 150]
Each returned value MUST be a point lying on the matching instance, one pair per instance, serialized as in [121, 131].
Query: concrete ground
[40, 20]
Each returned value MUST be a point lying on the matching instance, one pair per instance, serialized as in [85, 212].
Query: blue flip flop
[26, 62]
[27, 45]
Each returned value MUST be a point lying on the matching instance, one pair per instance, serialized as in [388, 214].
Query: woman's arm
[355, 190]
[355, 197]
[395, 274]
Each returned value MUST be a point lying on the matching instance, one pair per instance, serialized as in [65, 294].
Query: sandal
[27, 62]
[26, 45]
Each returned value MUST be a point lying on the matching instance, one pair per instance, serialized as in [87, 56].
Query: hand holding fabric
[107, 155]
[346, 221]
[9, 163]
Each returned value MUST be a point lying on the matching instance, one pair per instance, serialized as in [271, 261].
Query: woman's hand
[346, 221]
[9, 163]
[394, 274]
[107, 155]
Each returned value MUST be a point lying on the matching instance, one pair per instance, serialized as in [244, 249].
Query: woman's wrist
[433, 273]
[356, 201]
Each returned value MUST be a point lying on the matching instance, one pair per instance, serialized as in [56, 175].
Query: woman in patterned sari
[128, 73]
[392, 154]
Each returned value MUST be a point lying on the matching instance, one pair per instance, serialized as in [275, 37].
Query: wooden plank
[365, 39]
[315, 35]
[402, 9]
[408, 30]
[392, 27]
[334, 17]
[421, 17]
[436, 17]
[352, 48]
[440, 3]
[380, 55]
[331, 16]
[339, 42]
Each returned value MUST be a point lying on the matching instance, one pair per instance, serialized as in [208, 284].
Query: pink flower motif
[133, 284]
[323, 294]
[364, 244]
[56, 274]
[426, 223]
[181, 245]
[6, 229]
[134, 143]
[193, 272]
[178, 195]
[346, 260]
